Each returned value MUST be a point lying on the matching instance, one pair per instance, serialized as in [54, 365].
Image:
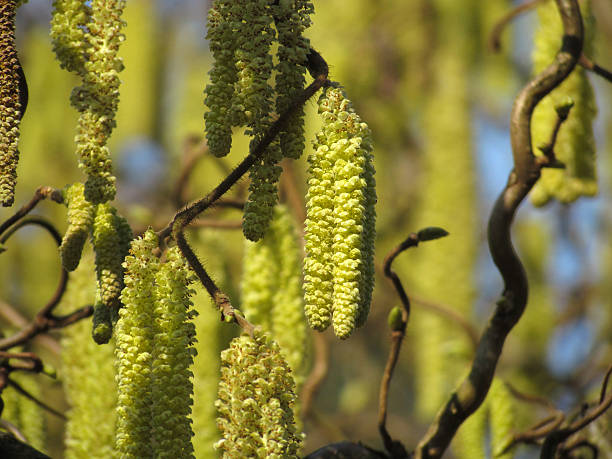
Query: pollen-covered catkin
[81, 215]
[575, 145]
[503, 418]
[339, 233]
[135, 348]
[256, 394]
[98, 96]
[172, 387]
[11, 100]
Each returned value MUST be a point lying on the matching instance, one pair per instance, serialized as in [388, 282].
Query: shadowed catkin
[173, 354]
[502, 416]
[339, 234]
[575, 146]
[134, 351]
[88, 375]
[111, 237]
[256, 394]
[11, 100]
[98, 96]
[81, 215]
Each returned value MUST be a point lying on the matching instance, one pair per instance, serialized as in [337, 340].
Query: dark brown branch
[472, 391]
[41, 193]
[194, 150]
[17, 320]
[346, 450]
[12, 428]
[548, 149]
[593, 67]
[498, 28]
[395, 448]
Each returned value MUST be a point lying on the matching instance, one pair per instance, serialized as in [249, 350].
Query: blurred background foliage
[438, 103]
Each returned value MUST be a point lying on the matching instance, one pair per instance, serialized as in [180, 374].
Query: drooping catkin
[470, 443]
[172, 387]
[339, 235]
[88, 375]
[503, 419]
[12, 96]
[135, 349]
[98, 96]
[575, 145]
[256, 394]
[111, 237]
[291, 19]
[81, 215]
[272, 290]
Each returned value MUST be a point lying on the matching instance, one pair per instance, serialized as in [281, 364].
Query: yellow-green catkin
[575, 145]
[98, 96]
[291, 19]
[503, 419]
[81, 215]
[272, 290]
[471, 439]
[87, 374]
[339, 235]
[111, 236]
[135, 349]
[256, 394]
[443, 270]
[11, 99]
[25, 414]
[172, 385]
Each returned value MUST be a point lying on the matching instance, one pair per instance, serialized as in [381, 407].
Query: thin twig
[12, 428]
[194, 149]
[498, 28]
[395, 448]
[40, 403]
[317, 374]
[41, 193]
[472, 391]
[593, 67]
[11, 315]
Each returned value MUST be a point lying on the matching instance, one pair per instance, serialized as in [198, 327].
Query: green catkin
[575, 146]
[88, 376]
[68, 33]
[97, 98]
[25, 414]
[80, 221]
[503, 419]
[11, 76]
[135, 349]
[172, 387]
[339, 232]
[256, 394]
[102, 328]
[223, 75]
[291, 18]
[110, 237]
[471, 441]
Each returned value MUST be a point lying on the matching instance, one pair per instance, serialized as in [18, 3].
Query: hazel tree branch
[472, 391]
[41, 193]
[498, 28]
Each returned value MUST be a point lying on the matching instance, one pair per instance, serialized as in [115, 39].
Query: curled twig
[395, 448]
[31, 397]
[472, 391]
[194, 150]
[593, 67]
[498, 28]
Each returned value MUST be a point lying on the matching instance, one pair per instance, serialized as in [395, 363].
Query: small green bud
[431, 233]
[102, 326]
[395, 320]
[564, 107]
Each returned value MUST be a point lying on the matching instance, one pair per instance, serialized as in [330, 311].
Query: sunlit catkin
[503, 418]
[135, 350]
[98, 96]
[173, 352]
[11, 99]
[575, 145]
[256, 394]
[88, 375]
[339, 232]
[81, 215]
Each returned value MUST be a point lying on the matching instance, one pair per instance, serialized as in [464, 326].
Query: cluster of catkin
[575, 145]
[241, 35]
[86, 37]
[13, 97]
[110, 235]
[154, 352]
[340, 224]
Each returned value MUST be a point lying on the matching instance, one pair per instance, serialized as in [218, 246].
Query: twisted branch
[472, 391]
